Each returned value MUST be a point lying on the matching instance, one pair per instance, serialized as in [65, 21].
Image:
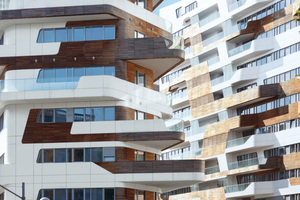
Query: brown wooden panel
[149, 156]
[124, 194]
[123, 167]
[60, 132]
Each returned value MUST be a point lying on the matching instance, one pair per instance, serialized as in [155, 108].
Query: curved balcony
[246, 6]
[251, 49]
[108, 8]
[249, 189]
[168, 175]
[250, 142]
[87, 88]
[160, 54]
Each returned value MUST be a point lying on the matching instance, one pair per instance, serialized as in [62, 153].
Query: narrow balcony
[246, 6]
[212, 170]
[251, 49]
[249, 189]
[209, 19]
[250, 142]
[168, 175]
[106, 88]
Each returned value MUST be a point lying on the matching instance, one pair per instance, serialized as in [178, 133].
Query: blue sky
[164, 4]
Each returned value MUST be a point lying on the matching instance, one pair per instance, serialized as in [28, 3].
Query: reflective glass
[96, 194]
[88, 71]
[60, 35]
[78, 72]
[78, 194]
[61, 115]
[109, 71]
[78, 114]
[97, 33]
[48, 155]
[88, 33]
[60, 75]
[109, 113]
[70, 34]
[88, 115]
[79, 34]
[48, 115]
[109, 32]
[97, 71]
[70, 74]
[40, 37]
[48, 35]
[48, 194]
[60, 155]
[97, 154]
[109, 194]
[78, 155]
[97, 114]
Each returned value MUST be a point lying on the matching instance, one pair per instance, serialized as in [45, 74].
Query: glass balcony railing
[217, 81]
[213, 39]
[175, 125]
[169, 100]
[236, 188]
[236, 5]
[213, 61]
[247, 163]
[237, 142]
[196, 131]
[174, 42]
[185, 155]
[209, 19]
[212, 170]
[239, 49]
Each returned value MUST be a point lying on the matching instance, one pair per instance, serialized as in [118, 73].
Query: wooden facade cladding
[99, 53]
[129, 194]
[168, 166]
[60, 132]
[211, 194]
[262, 91]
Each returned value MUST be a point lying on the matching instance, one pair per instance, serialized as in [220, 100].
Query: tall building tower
[79, 117]
[238, 94]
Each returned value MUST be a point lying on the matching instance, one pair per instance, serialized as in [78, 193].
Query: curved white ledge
[249, 7]
[95, 88]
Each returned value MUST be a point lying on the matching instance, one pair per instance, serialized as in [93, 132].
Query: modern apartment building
[79, 117]
[238, 95]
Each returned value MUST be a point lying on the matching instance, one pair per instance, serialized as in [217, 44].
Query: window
[2, 159]
[191, 7]
[2, 39]
[72, 74]
[76, 115]
[246, 87]
[77, 34]
[1, 122]
[139, 35]
[99, 154]
[140, 195]
[141, 3]
[78, 194]
[140, 115]
[178, 12]
[140, 78]
[139, 155]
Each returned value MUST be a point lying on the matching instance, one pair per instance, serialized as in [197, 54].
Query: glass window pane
[87, 155]
[109, 114]
[97, 71]
[60, 155]
[88, 114]
[109, 71]
[61, 75]
[48, 194]
[70, 74]
[78, 194]
[70, 34]
[49, 35]
[48, 75]
[109, 194]
[60, 35]
[78, 72]
[97, 114]
[78, 155]
[88, 33]
[78, 114]
[48, 155]
[61, 115]
[48, 115]
[109, 32]
[96, 154]
[40, 37]
[78, 34]
[97, 33]
[96, 194]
